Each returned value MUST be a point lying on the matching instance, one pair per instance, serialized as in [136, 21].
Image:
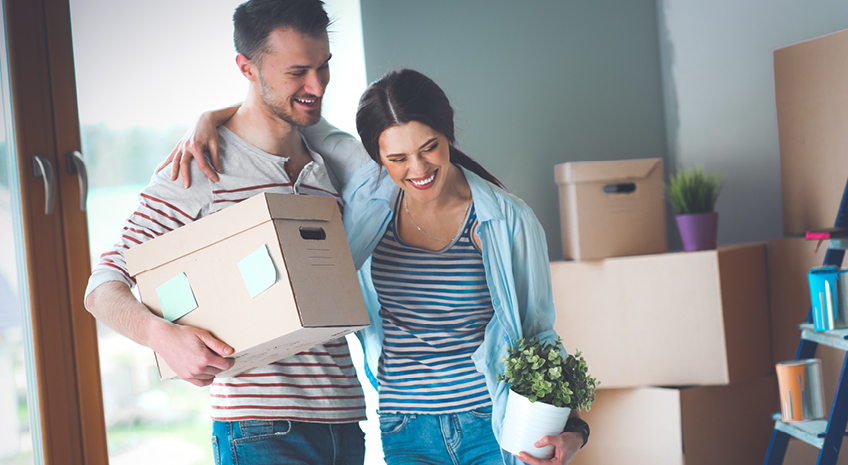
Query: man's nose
[314, 84]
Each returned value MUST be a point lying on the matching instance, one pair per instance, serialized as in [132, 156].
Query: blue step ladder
[824, 434]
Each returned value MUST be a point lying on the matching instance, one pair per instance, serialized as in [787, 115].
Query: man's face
[293, 75]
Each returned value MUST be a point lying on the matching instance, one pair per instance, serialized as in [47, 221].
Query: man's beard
[283, 109]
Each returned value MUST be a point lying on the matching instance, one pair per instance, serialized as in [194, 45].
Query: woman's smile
[424, 182]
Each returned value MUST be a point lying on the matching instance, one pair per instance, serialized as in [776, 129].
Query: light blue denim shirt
[515, 256]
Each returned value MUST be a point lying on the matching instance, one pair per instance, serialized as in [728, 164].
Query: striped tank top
[435, 306]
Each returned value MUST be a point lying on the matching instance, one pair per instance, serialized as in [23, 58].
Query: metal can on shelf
[801, 395]
[829, 296]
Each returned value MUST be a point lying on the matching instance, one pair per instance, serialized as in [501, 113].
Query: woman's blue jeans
[457, 438]
[259, 442]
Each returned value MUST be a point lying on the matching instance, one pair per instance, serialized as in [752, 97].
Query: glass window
[18, 445]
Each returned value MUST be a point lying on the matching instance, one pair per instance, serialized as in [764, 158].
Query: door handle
[42, 168]
[76, 165]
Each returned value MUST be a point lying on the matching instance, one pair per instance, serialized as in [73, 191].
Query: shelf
[811, 432]
[837, 338]
[839, 244]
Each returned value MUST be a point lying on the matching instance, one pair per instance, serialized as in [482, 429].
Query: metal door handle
[76, 165]
[42, 168]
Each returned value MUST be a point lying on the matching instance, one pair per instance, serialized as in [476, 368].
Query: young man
[305, 408]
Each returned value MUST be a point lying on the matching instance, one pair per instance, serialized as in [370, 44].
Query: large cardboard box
[811, 93]
[294, 243]
[727, 425]
[611, 208]
[789, 260]
[688, 318]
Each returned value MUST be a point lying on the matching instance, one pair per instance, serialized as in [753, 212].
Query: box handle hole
[312, 234]
[622, 188]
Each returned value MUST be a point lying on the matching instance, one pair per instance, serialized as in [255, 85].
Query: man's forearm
[113, 304]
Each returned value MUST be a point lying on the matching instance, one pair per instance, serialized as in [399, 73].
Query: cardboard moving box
[271, 276]
[689, 318]
[727, 425]
[611, 208]
[811, 94]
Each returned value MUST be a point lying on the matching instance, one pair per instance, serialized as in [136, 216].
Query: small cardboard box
[727, 425]
[611, 208]
[314, 294]
[688, 318]
[811, 95]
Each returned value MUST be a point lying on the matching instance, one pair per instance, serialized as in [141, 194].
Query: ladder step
[838, 244]
[811, 432]
[837, 338]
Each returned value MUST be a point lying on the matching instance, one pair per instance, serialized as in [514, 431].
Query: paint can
[828, 288]
[801, 395]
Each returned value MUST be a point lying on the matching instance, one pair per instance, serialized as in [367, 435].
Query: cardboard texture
[314, 299]
[611, 208]
[811, 93]
[696, 318]
[728, 425]
[789, 260]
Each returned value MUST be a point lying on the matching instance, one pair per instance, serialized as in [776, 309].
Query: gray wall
[719, 97]
[534, 83]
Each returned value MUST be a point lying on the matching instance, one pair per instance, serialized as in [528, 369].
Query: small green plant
[691, 191]
[539, 372]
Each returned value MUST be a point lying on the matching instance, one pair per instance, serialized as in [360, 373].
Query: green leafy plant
[539, 372]
[691, 191]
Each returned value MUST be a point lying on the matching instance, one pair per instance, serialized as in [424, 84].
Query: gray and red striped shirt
[318, 385]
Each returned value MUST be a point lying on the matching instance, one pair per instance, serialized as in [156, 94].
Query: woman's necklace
[406, 207]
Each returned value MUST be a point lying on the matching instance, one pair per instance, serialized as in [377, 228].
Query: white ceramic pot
[526, 422]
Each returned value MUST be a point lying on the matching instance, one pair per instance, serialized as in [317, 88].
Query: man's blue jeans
[456, 438]
[259, 442]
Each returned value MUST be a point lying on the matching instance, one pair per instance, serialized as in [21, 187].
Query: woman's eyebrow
[428, 142]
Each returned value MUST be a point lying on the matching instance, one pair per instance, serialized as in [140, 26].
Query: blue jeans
[260, 442]
[456, 438]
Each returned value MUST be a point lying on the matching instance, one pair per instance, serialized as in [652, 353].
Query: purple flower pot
[698, 231]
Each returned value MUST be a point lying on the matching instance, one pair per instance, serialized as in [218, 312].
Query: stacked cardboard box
[811, 92]
[611, 208]
[698, 320]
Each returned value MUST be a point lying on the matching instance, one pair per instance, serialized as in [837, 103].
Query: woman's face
[417, 158]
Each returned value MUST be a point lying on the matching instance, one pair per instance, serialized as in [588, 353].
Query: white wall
[533, 83]
[719, 97]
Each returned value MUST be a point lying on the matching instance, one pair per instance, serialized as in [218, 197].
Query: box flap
[201, 233]
[594, 171]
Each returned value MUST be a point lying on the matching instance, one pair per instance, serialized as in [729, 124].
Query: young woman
[453, 270]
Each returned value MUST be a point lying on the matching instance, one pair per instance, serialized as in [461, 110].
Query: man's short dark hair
[254, 21]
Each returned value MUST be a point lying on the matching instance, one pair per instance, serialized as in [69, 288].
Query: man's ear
[247, 67]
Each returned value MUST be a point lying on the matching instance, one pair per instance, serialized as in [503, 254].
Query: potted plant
[545, 387]
[693, 196]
